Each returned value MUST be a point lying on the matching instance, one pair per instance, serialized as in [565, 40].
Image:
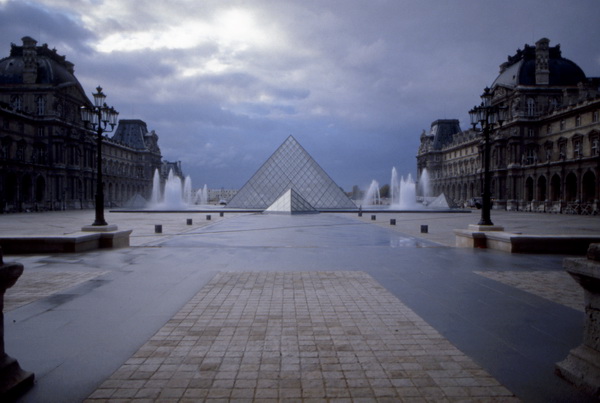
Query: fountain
[187, 190]
[155, 198]
[176, 195]
[172, 197]
[201, 196]
[403, 192]
[425, 184]
[372, 197]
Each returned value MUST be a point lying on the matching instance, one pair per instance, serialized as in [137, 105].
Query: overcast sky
[223, 83]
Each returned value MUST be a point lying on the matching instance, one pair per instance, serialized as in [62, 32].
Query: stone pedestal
[13, 380]
[582, 365]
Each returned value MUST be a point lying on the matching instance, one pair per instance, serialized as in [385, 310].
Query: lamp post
[487, 116]
[100, 117]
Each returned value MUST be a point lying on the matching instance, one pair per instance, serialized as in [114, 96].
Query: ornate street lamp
[100, 117]
[487, 116]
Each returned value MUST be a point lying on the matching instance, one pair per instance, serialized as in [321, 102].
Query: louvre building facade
[545, 157]
[47, 155]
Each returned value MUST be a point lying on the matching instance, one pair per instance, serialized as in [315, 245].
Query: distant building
[47, 156]
[220, 195]
[545, 157]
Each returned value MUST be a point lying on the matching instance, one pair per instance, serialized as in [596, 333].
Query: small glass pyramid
[291, 167]
[291, 203]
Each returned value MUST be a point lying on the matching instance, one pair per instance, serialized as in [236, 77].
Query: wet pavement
[354, 310]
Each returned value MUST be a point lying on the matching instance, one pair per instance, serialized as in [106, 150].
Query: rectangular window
[596, 146]
[563, 124]
[40, 105]
[577, 148]
[577, 121]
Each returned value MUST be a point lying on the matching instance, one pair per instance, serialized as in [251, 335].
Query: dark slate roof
[52, 68]
[520, 69]
[131, 133]
[443, 131]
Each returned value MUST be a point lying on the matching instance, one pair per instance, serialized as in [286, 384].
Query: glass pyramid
[291, 203]
[291, 167]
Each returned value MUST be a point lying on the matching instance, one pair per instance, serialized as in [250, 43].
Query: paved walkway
[250, 307]
[298, 335]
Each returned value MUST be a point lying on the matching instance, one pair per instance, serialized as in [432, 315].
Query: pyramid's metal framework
[291, 167]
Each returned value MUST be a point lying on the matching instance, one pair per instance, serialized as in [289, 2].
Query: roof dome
[525, 66]
[31, 64]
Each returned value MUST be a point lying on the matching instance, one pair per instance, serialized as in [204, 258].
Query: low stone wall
[71, 243]
[520, 243]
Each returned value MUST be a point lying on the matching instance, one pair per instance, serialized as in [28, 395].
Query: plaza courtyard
[319, 307]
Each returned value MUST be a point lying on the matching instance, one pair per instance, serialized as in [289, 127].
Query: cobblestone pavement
[298, 335]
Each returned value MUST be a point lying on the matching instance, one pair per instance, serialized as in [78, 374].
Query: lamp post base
[481, 227]
[99, 228]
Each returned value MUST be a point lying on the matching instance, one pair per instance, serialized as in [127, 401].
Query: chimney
[29, 60]
[542, 69]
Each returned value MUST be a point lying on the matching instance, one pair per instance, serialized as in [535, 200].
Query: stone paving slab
[556, 286]
[441, 226]
[33, 285]
[303, 336]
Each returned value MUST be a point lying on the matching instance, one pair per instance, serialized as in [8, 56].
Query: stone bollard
[13, 379]
[392, 221]
[158, 229]
[208, 217]
[189, 221]
[424, 229]
[582, 365]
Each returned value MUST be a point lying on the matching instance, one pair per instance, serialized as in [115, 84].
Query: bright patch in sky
[232, 30]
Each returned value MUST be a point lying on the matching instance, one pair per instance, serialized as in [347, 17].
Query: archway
[588, 187]
[10, 188]
[529, 189]
[541, 188]
[26, 187]
[571, 187]
[555, 188]
[40, 189]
